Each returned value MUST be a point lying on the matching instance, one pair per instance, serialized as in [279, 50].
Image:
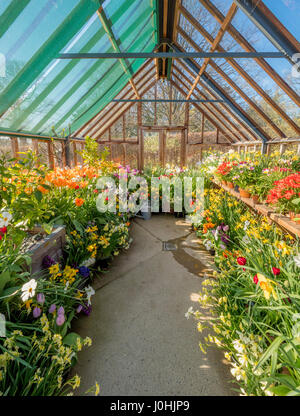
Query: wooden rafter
[213, 109]
[90, 122]
[107, 27]
[124, 111]
[102, 118]
[236, 88]
[241, 71]
[111, 116]
[230, 15]
[215, 12]
[209, 114]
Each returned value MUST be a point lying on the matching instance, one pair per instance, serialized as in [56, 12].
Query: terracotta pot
[244, 193]
[255, 199]
[230, 185]
[295, 217]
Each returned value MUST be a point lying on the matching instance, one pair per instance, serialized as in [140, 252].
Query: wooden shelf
[281, 220]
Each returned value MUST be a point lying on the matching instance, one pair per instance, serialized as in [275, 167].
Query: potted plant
[285, 195]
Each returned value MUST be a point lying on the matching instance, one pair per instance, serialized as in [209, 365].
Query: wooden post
[140, 137]
[68, 152]
[75, 154]
[162, 147]
[51, 154]
[124, 127]
[170, 109]
[155, 104]
[202, 128]
[298, 149]
[15, 147]
[218, 132]
[183, 148]
[282, 148]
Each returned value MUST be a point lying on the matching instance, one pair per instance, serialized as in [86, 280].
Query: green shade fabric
[41, 94]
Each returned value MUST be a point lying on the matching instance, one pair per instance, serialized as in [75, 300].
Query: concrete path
[142, 342]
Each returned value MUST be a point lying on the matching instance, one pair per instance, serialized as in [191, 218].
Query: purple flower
[79, 308]
[225, 238]
[60, 320]
[40, 298]
[37, 312]
[87, 309]
[226, 228]
[52, 308]
[84, 271]
[48, 261]
[60, 311]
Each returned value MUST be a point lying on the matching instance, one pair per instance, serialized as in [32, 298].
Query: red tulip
[3, 230]
[275, 271]
[241, 261]
[255, 279]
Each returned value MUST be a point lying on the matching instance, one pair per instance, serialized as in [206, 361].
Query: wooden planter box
[51, 245]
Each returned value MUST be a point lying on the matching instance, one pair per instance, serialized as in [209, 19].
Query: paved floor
[142, 342]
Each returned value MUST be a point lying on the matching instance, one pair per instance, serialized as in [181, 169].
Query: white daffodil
[28, 290]
[189, 312]
[5, 218]
[89, 293]
[297, 260]
[246, 225]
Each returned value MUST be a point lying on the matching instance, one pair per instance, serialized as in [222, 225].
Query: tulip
[241, 261]
[275, 271]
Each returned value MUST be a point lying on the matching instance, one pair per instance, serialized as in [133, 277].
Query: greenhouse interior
[149, 199]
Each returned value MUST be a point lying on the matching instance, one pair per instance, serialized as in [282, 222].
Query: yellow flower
[97, 389]
[266, 286]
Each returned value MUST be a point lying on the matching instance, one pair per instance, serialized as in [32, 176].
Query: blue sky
[288, 12]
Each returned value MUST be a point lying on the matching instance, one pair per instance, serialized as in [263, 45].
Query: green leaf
[38, 195]
[279, 390]
[4, 278]
[48, 228]
[272, 350]
[71, 339]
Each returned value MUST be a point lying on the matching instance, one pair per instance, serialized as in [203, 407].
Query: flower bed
[254, 299]
[39, 349]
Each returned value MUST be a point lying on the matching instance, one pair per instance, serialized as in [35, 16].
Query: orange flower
[79, 202]
[42, 189]
[207, 226]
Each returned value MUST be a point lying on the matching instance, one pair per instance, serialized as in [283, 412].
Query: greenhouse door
[161, 145]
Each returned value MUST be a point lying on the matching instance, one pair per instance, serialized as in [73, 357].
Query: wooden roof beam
[230, 15]
[108, 29]
[242, 72]
[236, 87]
[249, 48]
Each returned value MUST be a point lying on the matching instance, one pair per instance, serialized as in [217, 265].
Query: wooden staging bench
[281, 220]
